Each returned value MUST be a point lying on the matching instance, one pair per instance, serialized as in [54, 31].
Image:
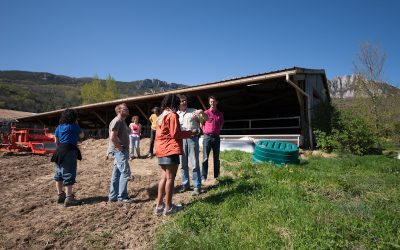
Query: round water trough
[277, 152]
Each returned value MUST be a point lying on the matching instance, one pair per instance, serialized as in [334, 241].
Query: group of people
[175, 129]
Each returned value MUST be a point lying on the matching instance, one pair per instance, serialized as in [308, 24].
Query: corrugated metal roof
[9, 114]
[191, 89]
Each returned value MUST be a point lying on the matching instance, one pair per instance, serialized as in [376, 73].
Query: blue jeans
[120, 176]
[210, 142]
[66, 171]
[191, 154]
[134, 144]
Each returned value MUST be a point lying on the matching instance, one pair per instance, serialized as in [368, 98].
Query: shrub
[353, 135]
[324, 140]
[349, 134]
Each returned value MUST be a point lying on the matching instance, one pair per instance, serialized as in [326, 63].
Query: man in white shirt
[190, 119]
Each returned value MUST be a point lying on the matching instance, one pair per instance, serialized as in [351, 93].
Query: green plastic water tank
[277, 152]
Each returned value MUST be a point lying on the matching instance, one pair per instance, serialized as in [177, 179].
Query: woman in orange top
[168, 148]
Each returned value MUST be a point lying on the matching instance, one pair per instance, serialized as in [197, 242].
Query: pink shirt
[214, 123]
[135, 129]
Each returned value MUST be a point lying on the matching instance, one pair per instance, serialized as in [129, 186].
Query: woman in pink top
[134, 137]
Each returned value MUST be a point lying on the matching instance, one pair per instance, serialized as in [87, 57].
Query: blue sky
[193, 42]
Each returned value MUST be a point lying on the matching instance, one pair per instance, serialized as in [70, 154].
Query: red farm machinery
[35, 140]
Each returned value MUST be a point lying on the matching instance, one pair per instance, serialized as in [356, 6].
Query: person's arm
[130, 128]
[152, 118]
[115, 140]
[202, 117]
[56, 135]
[114, 137]
[175, 130]
[81, 133]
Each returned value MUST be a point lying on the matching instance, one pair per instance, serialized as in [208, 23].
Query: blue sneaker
[159, 210]
[172, 210]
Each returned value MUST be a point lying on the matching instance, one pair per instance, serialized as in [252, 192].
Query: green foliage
[92, 92]
[325, 141]
[377, 102]
[349, 133]
[37, 98]
[99, 91]
[40, 92]
[353, 135]
[350, 202]
[111, 90]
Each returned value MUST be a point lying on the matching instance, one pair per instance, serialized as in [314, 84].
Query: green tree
[376, 101]
[369, 94]
[111, 90]
[346, 132]
[99, 91]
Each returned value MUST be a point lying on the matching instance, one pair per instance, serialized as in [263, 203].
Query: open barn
[275, 105]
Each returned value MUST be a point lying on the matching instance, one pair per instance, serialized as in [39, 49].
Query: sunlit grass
[344, 202]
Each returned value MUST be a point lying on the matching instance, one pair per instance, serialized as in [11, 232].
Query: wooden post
[201, 102]
[141, 111]
[98, 116]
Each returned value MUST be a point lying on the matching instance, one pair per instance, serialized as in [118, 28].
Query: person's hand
[194, 132]
[198, 112]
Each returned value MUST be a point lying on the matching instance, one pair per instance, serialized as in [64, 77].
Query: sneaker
[71, 201]
[196, 192]
[172, 210]
[128, 201]
[159, 210]
[150, 156]
[183, 189]
[61, 197]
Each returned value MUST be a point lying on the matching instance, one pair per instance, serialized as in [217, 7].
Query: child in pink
[134, 137]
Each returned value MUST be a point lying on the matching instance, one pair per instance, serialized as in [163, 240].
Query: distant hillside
[342, 87]
[40, 91]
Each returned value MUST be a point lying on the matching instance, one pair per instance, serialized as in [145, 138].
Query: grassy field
[347, 202]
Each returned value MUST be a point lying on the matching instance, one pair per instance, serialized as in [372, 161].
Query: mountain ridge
[342, 87]
[42, 91]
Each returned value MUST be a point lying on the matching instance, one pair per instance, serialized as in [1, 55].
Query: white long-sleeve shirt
[188, 120]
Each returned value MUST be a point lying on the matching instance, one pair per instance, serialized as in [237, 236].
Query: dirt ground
[31, 219]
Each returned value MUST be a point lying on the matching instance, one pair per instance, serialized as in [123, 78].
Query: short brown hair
[213, 97]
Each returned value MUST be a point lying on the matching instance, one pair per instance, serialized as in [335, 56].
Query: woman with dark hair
[168, 148]
[65, 158]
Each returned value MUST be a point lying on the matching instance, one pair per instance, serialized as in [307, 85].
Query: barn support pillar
[299, 90]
